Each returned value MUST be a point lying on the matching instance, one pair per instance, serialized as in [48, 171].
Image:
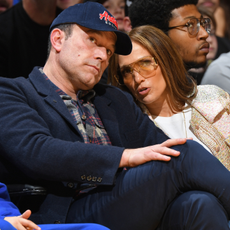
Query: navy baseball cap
[94, 16]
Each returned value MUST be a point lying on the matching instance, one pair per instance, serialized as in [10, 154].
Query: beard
[190, 65]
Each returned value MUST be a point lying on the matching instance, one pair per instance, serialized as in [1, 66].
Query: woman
[155, 75]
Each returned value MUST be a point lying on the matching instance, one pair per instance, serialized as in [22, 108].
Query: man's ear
[57, 37]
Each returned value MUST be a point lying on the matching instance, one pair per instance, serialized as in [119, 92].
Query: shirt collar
[85, 95]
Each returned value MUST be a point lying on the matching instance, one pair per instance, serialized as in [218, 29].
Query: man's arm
[162, 152]
[38, 132]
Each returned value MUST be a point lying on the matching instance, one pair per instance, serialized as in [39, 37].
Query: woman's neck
[161, 107]
[162, 110]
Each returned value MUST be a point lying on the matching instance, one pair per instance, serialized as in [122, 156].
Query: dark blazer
[40, 143]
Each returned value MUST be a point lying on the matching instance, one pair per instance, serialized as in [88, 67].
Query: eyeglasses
[143, 66]
[193, 25]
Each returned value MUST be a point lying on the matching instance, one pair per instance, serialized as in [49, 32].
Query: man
[98, 156]
[180, 20]
[24, 31]
[217, 46]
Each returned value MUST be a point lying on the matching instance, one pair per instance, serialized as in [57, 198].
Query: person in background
[217, 46]
[11, 218]
[222, 15]
[218, 73]
[119, 9]
[5, 5]
[63, 4]
[154, 73]
[24, 31]
[210, 5]
[176, 18]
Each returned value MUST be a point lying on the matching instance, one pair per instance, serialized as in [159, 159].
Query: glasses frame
[199, 23]
[138, 71]
[117, 77]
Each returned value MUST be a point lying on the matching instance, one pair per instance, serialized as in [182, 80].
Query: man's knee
[195, 210]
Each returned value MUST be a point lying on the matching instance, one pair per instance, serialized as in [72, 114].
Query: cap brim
[123, 44]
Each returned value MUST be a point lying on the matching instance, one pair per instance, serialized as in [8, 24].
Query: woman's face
[211, 5]
[213, 45]
[148, 89]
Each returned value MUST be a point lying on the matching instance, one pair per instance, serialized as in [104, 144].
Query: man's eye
[190, 24]
[93, 40]
[109, 52]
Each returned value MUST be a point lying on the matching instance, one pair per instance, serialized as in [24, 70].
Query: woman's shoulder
[207, 93]
[210, 101]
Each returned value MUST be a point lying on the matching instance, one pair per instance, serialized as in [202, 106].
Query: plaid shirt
[85, 115]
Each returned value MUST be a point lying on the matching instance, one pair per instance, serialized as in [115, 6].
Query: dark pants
[141, 195]
[195, 210]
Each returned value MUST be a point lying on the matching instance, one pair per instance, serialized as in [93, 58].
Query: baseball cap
[94, 16]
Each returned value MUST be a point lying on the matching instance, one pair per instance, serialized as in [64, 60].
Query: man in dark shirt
[24, 32]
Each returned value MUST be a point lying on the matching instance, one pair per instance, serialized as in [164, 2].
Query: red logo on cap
[108, 18]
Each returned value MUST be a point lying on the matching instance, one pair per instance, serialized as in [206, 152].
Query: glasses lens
[193, 26]
[126, 71]
[206, 23]
[146, 66]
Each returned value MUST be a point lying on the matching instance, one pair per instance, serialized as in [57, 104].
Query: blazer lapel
[50, 96]
[109, 119]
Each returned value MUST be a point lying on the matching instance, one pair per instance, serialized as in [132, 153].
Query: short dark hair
[155, 12]
[67, 28]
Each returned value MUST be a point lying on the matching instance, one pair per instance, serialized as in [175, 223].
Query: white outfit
[176, 127]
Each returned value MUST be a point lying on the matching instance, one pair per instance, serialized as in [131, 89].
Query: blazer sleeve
[39, 142]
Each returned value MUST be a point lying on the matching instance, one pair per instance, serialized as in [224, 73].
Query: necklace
[183, 121]
[185, 128]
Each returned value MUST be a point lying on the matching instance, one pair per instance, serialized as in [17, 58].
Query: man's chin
[190, 65]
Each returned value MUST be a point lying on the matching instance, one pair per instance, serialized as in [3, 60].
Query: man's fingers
[172, 142]
[163, 153]
[160, 157]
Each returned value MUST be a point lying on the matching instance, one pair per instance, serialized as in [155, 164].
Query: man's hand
[22, 222]
[160, 152]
